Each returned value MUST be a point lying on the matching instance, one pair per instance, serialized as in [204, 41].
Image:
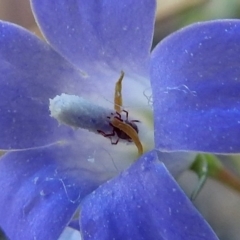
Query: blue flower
[50, 171]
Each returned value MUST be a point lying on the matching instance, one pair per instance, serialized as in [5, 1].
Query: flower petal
[30, 73]
[41, 190]
[196, 88]
[144, 202]
[115, 34]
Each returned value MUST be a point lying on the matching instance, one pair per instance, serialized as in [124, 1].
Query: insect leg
[130, 131]
[109, 135]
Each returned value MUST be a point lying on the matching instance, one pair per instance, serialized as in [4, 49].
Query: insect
[78, 112]
[122, 128]
[120, 133]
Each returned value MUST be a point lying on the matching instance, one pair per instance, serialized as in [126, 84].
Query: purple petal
[144, 202]
[196, 88]
[30, 73]
[41, 190]
[99, 34]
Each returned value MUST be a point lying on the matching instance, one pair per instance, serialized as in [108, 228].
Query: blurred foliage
[179, 13]
[213, 9]
[208, 165]
[2, 235]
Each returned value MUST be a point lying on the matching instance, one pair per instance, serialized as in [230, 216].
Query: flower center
[79, 113]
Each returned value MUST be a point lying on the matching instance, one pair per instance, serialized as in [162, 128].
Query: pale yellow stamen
[126, 128]
[118, 94]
